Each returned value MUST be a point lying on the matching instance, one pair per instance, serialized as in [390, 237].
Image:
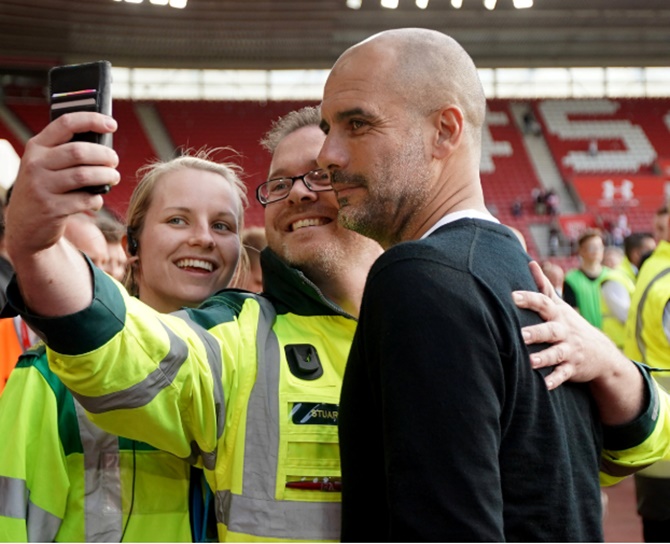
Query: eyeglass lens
[277, 189]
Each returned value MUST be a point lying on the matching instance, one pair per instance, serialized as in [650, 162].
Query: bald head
[427, 69]
[82, 233]
[403, 105]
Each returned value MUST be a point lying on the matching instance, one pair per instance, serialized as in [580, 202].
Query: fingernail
[518, 297]
[110, 123]
[526, 335]
[535, 360]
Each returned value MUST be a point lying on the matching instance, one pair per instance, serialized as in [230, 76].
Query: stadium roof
[267, 34]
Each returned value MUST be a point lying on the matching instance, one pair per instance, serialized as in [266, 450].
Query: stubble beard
[393, 199]
[315, 259]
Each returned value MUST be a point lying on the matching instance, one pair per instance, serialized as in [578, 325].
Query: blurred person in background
[6, 269]
[618, 284]
[581, 288]
[660, 224]
[114, 231]
[647, 339]
[71, 481]
[254, 241]
[612, 256]
[84, 234]
[11, 345]
[15, 335]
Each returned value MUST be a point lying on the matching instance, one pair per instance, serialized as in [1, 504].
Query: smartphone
[83, 87]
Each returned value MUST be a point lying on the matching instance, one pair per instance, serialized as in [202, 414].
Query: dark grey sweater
[446, 433]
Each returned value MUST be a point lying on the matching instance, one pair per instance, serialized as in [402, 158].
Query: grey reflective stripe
[291, 520]
[41, 526]
[208, 458]
[215, 363]
[103, 511]
[13, 497]
[638, 318]
[257, 512]
[261, 444]
[144, 392]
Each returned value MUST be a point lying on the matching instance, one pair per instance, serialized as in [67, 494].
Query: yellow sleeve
[144, 375]
[635, 446]
[34, 481]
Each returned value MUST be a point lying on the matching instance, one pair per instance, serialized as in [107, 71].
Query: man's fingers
[541, 333]
[81, 177]
[81, 153]
[551, 356]
[65, 127]
[60, 182]
[537, 302]
[560, 374]
[68, 167]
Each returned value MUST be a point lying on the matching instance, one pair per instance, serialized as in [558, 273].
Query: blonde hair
[142, 197]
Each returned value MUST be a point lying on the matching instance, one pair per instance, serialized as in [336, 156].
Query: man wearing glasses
[277, 189]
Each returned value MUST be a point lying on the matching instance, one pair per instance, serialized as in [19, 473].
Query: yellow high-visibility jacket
[628, 269]
[247, 386]
[611, 326]
[62, 479]
[645, 339]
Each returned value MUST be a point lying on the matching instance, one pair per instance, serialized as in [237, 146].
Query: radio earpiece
[132, 243]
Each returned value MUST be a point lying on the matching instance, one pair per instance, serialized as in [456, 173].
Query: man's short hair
[587, 235]
[634, 241]
[282, 127]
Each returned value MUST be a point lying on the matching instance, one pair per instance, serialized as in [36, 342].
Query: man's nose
[300, 192]
[332, 155]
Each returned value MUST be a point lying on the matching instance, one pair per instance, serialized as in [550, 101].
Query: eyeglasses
[279, 188]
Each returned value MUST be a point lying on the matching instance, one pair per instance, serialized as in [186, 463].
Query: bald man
[446, 433]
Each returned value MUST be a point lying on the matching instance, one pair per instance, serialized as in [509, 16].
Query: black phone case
[82, 87]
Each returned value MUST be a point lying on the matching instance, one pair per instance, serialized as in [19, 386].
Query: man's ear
[449, 123]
